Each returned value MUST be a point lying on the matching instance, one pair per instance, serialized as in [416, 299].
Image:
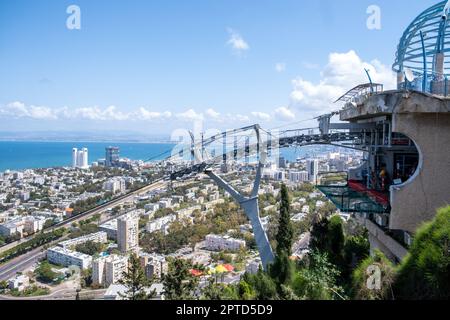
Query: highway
[10, 268]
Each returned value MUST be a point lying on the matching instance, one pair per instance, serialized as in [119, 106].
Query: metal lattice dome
[422, 42]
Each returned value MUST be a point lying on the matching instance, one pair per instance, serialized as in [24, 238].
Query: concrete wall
[378, 239]
[416, 201]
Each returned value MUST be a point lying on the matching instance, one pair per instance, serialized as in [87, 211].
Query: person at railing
[384, 178]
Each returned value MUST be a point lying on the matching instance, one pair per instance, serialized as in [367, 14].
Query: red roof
[196, 273]
[229, 267]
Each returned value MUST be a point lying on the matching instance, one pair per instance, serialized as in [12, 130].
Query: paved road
[10, 268]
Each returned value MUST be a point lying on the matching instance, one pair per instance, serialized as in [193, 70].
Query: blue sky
[153, 66]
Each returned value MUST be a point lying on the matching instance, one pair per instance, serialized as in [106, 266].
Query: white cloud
[280, 67]
[342, 72]
[211, 113]
[237, 42]
[20, 110]
[261, 116]
[145, 114]
[284, 114]
[190, 115]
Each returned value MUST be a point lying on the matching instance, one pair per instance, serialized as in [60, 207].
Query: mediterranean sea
[21, 155]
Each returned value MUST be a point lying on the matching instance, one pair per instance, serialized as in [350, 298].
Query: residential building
[109, 270]
[128, 232]
[160, 224]
[313, 169]
[115, 185]
[110, 228]
[80, 158]
[20, 282]
[216, 242]
[65, 257]
[298, 176]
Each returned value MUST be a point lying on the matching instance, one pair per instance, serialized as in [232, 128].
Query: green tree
[90, 247]
[3, 285]
[245, 291]
[317, 280]
[218, 291]
[356, 249]
[178, 283]
[327, 236]
[136, 282]
[285, 231]
[44, 272]
[282, 271]
[425, 272]
[336, 240]
[319, 232]
[262, 284]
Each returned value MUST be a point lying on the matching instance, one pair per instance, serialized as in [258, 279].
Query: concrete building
[12, 227]
[216, 243]
[112, 157]
[154, 265]
[128, 232]
[33, 224]
[109, 270]
[405, 134]
[65, 257]
[160, 224]
[80, 158]
[313, 169]
[298, 176]
[20, 282]
[115, 185]
[110, 228]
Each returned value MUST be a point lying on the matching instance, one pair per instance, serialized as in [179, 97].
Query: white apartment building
[100, 237]
[313, 169]
[80, 158]
[110, 228]
[151, 207]
[186, 213]
[33, 224]
[109, 270]
[214, 196]
[12, 227]
[160, 224]
[154, 265]
[115, 185]
[65, 257]
[165, 203]
[19, 282]
[128, 232]
[298, 176]
[215, 242]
